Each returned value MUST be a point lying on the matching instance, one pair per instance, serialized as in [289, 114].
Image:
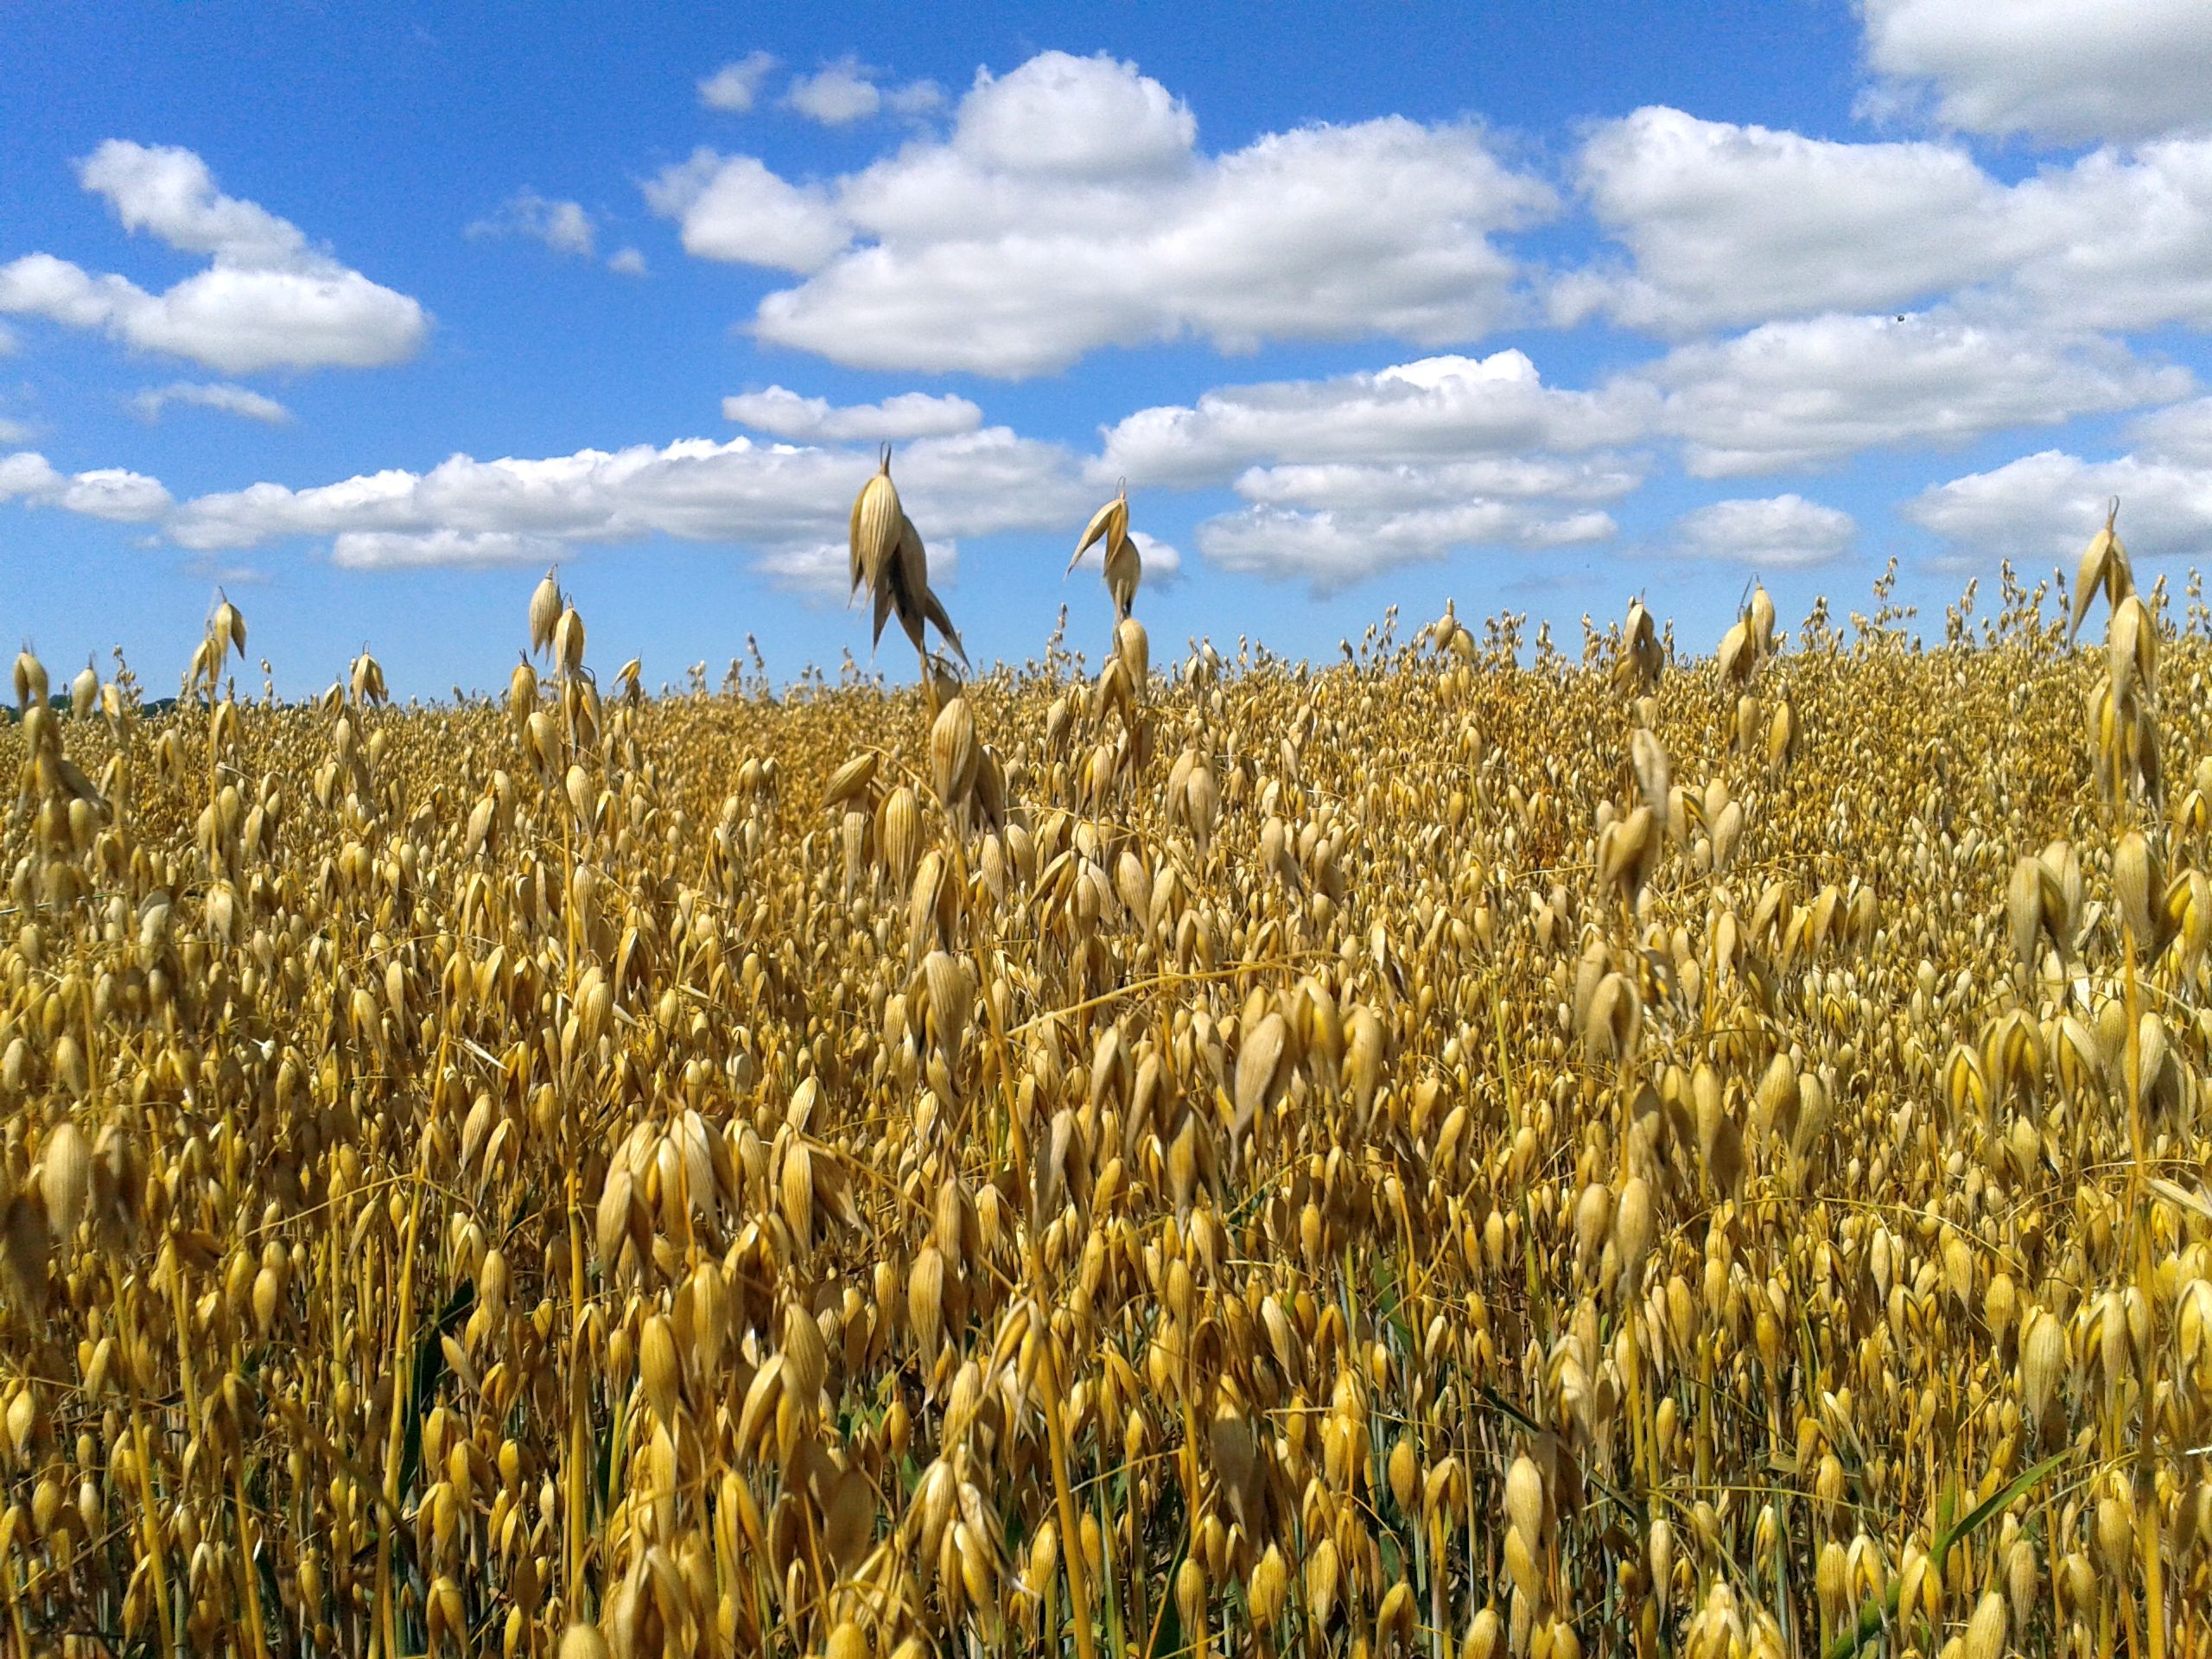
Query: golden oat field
[1475, 1147]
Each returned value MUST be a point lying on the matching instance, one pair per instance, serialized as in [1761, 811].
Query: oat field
[1473, 1148]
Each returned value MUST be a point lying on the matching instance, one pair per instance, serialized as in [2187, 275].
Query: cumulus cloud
[169, 193]
[1340, 485]
[734, 208]
[821, 567]
[1728, 224]
[627, 262]
[217, 395]
[1350, 476]
[2048, 505]
[910, 415]
[1330, 550]
[1806, 393]
[2181, 433]
[1781, 532]
[268, 300]
[2121, 239]
[398, 550]
[1067, 117]
[28, 476]
[2057, 69]
[117, 493]
[1433, 409]
[782, 501]
[110, 493]
[563, 226]
[1070, 207]
[1725, 224]
[735, 85]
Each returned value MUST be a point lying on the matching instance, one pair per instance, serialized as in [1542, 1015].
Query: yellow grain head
[953, 754]
[2104, 565]
[65, 1178]
[569, 641]
[31, 680]
[1654, 772]
[544, 612]
[877, 521]
[2139, 885]
[1131, 646]
[660, 1370]
[1110, 525]
[1760, 615]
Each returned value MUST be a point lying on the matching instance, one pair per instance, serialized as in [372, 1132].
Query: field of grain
[1462, 1149]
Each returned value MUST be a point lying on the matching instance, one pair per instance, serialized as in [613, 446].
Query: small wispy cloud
[848, 91]
[218, 395]
[734, 87]
[563, 226]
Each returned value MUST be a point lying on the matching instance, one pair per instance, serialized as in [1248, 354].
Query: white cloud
[13, 431]
[1330, 550]
[733, 207]
[2183, 433]
[1347, 485]
[1436, 410]
[2121, 239]
[836, 96]
[395, 549]
[909, 414]
[1804, 393]
[28, 476]
[563, 226]
[2047, 505]
[169, 191]
[217, 395]
[1357, 474]
[1728, 225]
[627, 262]
[1070, 209]
[1780, 532]
[268, 301]
[2059, 69]
[1074, 118]
[915, 98]
[260, 512]
[735, 85]
[820, 568]
[111, 493]
[848, 91]
[777, 500]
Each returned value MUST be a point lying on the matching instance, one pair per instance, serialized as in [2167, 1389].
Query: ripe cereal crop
[1464, 1150]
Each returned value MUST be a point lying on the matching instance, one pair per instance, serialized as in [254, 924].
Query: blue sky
[367, 315]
